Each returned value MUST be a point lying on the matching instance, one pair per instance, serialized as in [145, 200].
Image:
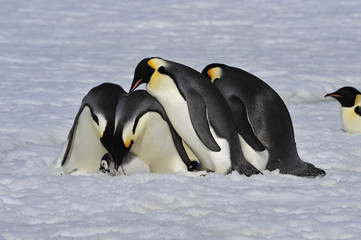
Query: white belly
[154, 145]
[86, 149]
[350, 120]
[166, 92]
[258, 159]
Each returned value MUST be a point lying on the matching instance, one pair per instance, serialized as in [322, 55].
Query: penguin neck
[350, 120]
[159, 84]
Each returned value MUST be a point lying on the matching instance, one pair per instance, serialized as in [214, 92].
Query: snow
[53, 52]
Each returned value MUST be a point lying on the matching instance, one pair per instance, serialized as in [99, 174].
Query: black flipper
[191, 165]
[198, 114]
[71, 135]
[244, 128]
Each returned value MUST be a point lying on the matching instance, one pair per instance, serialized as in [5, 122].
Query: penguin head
[107, 164]
[101, 100]
[347, 96]
[125, 126]
[144, 71]
[130, 124]
[121, 146]
[213, 71]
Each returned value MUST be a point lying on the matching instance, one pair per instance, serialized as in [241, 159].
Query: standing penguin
[350, 100]
[142, 128]
[198, 113]
[92, 132]
[263, 122]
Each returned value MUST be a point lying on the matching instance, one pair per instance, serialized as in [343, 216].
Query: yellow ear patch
[102, 125]
[357, 99]
[127, 143]
[156, 81]
[214, 73]
[127, 135]
[156, 63]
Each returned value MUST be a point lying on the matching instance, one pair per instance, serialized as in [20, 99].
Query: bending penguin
[350, 100]
[263, 122]
[142, 128]
[92, 132]
[198, 113]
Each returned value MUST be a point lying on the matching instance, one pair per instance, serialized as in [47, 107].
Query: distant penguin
[263, 122]
[92, 132]
[350, 100]
[197, 111]
[142, 128]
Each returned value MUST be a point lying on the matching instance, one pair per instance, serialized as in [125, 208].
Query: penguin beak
[120, 152]
[333, 95]
[136, 85]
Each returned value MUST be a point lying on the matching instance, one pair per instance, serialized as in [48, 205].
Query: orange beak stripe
[136, 85]
[209, 72]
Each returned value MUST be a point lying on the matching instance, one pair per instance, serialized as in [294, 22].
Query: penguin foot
[248, 170]
[309, 170]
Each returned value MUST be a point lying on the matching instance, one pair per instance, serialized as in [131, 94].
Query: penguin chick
[107, 164]
[350, 101]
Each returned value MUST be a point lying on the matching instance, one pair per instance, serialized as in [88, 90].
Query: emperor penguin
[197, 111]
[92, 132]
[350, 100]
[262, 119]
[143, 129]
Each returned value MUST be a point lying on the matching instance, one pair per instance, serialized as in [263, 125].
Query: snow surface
[53, 52]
